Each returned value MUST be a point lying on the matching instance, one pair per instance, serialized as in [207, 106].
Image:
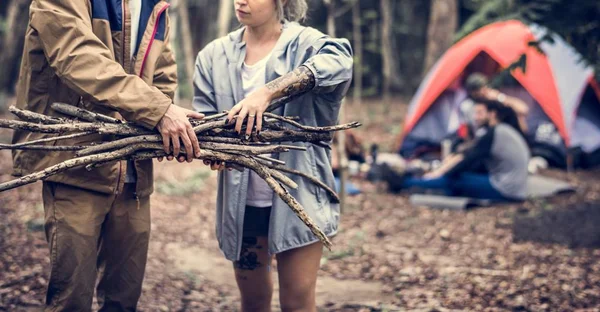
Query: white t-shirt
[259, 193]
[135, 9]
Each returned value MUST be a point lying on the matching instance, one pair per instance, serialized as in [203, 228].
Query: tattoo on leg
[249, 259]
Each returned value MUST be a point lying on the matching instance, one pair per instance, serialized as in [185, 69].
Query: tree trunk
[12, 46]
[184, 44]
[443, 21]
[341, 136]
[358, 53]
[386, 51]
[330, 17]
[225, 11]
[206, 29]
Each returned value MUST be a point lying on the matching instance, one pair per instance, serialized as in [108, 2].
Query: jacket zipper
[137, 199]
[160, 13]
[123, 31]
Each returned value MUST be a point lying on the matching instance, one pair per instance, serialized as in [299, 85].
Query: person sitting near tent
[505, 154]
[477, 86]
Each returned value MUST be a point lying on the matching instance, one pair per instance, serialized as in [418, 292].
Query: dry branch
[83, 114]
[335, 198]
[313, 129]
[51, 139]
[218, 142]
[35, 117]
[48, 148]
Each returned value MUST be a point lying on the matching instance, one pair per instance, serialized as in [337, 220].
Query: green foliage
[370, 15]
[185, 187]
[2, 26]
[488, 12]
[576, 22]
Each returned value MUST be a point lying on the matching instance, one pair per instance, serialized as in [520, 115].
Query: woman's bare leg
[253, 276]
[298, 278]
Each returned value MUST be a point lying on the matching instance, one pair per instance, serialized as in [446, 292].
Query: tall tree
[184, 45]
[341, 136]
[205, 29]
[331, 12]
[386, 50]
[443, 21]
[11, 46]
[225, 12]
[358, 52]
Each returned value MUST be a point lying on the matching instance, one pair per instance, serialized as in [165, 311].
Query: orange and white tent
[555, 79]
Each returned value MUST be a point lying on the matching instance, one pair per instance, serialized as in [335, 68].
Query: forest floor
[542, 255]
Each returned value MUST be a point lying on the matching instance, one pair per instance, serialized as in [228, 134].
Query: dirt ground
[542, 255]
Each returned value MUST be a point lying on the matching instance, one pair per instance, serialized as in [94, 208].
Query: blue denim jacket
[218, 87]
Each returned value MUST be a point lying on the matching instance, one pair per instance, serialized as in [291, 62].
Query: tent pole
[570, 169]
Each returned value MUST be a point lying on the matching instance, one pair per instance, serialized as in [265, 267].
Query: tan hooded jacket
[77, 52]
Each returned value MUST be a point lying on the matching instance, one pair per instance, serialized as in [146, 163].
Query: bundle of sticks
[218, 141]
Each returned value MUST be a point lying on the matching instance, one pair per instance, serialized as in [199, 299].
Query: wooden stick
[209, 126]
[283, 179]
[264, 173]
[120, 143]
[63, 166]
[334, 196]
[278, 189]
[271, 160]
[83, 114]
[287, 135]
[248, 149]
[295, 206]
[218, 140]
[101, 128]
[49, 148]
[314, 129]
[51, 139]
[30, 116]
[215, 116]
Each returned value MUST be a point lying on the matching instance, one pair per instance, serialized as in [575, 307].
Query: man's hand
[252, 107]
[175, 128]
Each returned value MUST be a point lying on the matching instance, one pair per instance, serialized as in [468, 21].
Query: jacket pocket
[314, 172]
[224, 101]
[40, 73]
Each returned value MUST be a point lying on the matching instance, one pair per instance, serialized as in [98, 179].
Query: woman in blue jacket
[270, 57]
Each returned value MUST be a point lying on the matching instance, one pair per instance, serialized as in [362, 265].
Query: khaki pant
[92, 233]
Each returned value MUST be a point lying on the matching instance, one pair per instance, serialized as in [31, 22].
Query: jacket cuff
[309, 64]
[157, 109]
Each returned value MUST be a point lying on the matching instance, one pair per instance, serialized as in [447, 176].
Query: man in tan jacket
[112, 57]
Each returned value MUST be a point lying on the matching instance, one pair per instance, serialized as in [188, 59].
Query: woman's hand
[170, 158]
[253, 107]
[216, 165]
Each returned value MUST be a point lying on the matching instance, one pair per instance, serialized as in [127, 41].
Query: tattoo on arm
[298, 81]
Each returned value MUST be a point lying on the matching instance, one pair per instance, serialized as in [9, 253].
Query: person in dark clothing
[504, 152]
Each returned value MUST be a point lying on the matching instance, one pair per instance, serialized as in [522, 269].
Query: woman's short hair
[292, 10]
